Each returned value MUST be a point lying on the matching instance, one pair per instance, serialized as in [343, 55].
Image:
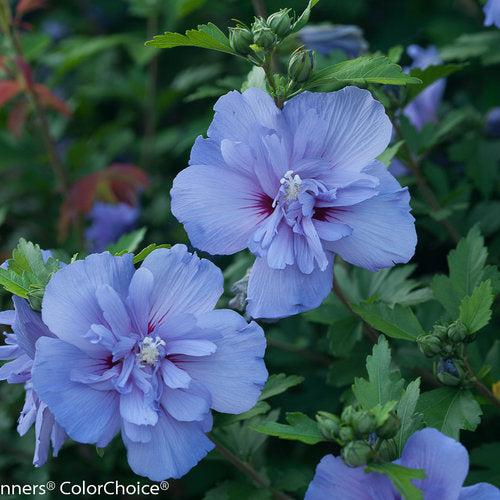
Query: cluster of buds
[357, 431]
[445, 341]
[263, 35]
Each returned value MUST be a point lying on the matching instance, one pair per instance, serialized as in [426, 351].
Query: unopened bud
[328, 424]
[347, 415]
[430, 345]
[301, 65]
[440, 330]
[390, 427]
[346, 433]
[264, 37]
[457, 331]
[448, 372]
[240, 39]
[280, 22]
[363, 423]
[357, 453]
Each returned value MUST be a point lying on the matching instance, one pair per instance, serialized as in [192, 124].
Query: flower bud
[430, 345]
[390, 427]
[448, 372]
[328, 424]
[457, 331]
[363, 423]
[346, 433]
[240, 39]
[357, 453]
[301, 65]
[264, 37]
[347, 415]
[280, 22]
[440, 331]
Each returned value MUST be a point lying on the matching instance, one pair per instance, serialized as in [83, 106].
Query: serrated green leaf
[388, 155]
[301, 428]
[429, 75]
[13, 283]
[475, 309]
[207, 36]
[259, 409]
[401, 477]
[398, 322]
[483, 44]
[449, 410]
[279, 383]
[361, 71]
[147, 250]
[128, 243]
[384, 383]
[405, 410]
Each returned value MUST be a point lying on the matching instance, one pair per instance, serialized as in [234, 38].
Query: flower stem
[260, 8]
[245, 468]
[478, 385]
[427, 193]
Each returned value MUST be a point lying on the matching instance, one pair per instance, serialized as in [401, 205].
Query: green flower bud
[346, 433]
[263, 36]
[357, 453]
[430, 345]
[457, 331]
[240, 39]
[328, 424]
[347, 415]
[390, 427]
[301, 65]
[448, 351]
[280, 22]
[363, 423]
[440, 330]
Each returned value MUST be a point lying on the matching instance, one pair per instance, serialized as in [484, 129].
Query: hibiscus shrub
[336, 334]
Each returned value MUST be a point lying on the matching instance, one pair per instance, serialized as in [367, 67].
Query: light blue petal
[173, 376]
[87, 415]
[139, 299]
[278, 293]
[492, 13]
[334, 479]
[235, 374]
[191, 347]
[187, 405]
[175, 448]
[480, 491]
[444, 460]
[136, 409]
[113, 310]
[70, 304]
[183, 283]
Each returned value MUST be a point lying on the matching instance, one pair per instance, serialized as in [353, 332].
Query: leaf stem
[43, 125]
[478, 385]
[245, 468]
[427, 193]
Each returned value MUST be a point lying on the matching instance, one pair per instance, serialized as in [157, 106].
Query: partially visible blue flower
[295, 186]
[492, 126]
[444, 460]
[327, 38]
[492, 13]
[143, 353]
[423, 109]
[108, 222]
[19, 352]
[57, 30]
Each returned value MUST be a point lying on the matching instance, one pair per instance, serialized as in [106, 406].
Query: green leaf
[237, 490]
[361, 71]
[259, 409]
[429, 75]
[384, 383]
[388, 155]
[147, 250]
[483, 44]
[279, 383]
[128, 243]
[405, 410]
[475, 309]
[207, 36]
[449, 410]
[13, 283]
[343, 335]
[401, 477]
[398, 322]
[485, 466]
[300, 428]
[304, 17]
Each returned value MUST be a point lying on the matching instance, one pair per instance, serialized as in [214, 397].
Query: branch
[478, 385]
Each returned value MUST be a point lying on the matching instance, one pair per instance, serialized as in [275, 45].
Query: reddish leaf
[25, 6]
[118, 183]
[8, 90]
[17, 118]
[48, 99]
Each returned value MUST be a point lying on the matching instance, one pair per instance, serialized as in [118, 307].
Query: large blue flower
[109, 221]
[423, 109]
[144, 353]
[444, 460]
[295, 186]
[18, 352]
[492, 13]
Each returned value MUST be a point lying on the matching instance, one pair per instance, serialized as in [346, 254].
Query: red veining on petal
[262, 204]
